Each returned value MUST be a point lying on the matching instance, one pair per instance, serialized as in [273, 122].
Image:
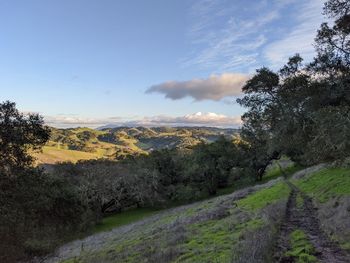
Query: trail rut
[303, 215]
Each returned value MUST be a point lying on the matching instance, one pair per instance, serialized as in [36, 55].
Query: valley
[72, 145]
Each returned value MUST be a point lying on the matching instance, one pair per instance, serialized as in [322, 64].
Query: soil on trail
[302, 215]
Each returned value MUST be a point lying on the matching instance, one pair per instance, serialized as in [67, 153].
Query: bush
[37, 213]
[186, 193]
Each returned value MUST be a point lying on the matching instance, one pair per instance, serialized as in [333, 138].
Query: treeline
[303, 110]
[159, 179]
[38, 211]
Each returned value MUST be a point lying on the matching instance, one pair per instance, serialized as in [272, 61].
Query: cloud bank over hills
[196, 119]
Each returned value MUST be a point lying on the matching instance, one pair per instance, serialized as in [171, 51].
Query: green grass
[301, 249]
[264, 197]
[123, 218]
[299, 200]
[199, 233]
[255, 201]
[345, 246]
[212, 241]
[326, 184]
[275, 171]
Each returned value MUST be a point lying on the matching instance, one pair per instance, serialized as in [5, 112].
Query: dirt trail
[303, 215]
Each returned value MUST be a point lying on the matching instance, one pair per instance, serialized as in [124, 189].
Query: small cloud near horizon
[216, 87]
[196, 119]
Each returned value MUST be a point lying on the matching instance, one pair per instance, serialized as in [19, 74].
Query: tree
[38, 211]
[331, 69]
[333, 42]
[210, 165]
[303, 110]
[263, 104]
[19, 134]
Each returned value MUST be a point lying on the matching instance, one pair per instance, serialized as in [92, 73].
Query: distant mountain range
[116, 142]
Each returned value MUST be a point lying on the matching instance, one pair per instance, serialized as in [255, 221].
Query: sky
[137, 62]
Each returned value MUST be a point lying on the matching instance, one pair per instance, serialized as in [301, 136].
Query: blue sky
[154, 62]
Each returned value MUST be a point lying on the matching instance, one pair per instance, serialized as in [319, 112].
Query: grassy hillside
[84, 143]
[328, 184]
[52, 154]
[245, 226]
[330, 189]
[217, 230]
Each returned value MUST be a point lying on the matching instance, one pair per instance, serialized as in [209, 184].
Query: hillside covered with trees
[117, 143]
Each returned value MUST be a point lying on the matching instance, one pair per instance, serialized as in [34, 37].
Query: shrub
[37, 213]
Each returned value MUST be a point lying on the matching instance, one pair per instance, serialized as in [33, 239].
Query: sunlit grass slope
[326, 184]
[330, 190]
[51, 155]
[221, 229]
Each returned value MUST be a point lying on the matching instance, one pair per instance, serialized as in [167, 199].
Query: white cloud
[216, 87]
[211, 119]
[300, 39]
[196, 119]
[65, 121]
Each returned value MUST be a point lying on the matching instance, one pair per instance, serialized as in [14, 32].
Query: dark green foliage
[333, 41]
[158, 179]
[210, 165]
[37, 213]
[19, 134]
[302, 111]
[333, 134]
[191, 174]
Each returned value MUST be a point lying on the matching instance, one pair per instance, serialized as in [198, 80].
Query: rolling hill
[84, 143]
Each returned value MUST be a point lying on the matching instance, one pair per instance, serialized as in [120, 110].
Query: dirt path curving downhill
[302, 215]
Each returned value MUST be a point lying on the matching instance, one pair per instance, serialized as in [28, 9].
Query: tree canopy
[19, 134]
[303, 110]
